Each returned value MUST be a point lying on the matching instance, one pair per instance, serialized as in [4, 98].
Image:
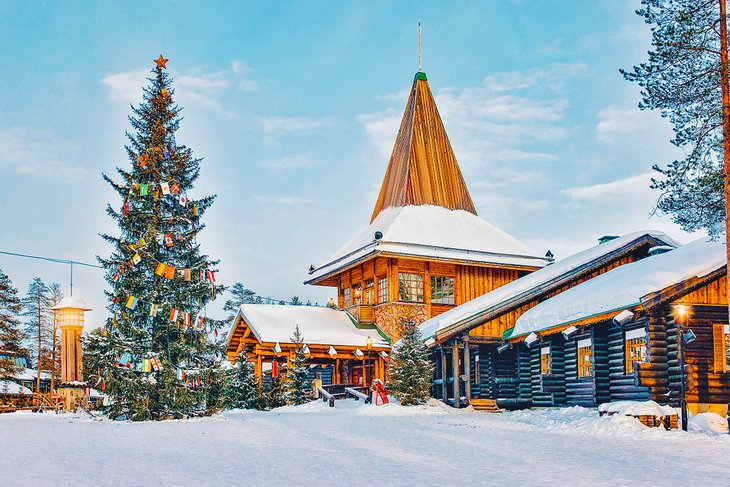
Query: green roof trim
[508, 333]
[369, 326]
[420, 75]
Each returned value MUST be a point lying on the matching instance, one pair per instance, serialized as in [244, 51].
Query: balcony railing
[363, 313]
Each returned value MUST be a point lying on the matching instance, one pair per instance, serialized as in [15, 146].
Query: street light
[681, 318]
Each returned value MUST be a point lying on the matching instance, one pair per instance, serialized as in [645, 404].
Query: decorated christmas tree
[154, 357]
[242, 388]
[411, 371]
[300, 388]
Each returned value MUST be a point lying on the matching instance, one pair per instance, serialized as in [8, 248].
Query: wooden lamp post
[70, 315]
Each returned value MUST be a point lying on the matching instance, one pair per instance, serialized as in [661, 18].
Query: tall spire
[423, 169]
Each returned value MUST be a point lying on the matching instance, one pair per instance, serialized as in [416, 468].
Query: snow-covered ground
[354, 444]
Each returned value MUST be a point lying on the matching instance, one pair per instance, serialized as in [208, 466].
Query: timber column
[70, 315]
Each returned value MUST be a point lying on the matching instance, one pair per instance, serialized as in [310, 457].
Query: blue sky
[294, 108]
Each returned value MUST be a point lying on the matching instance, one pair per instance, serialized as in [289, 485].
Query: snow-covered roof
[624, 287]
[10, 387]
[553, 275]
[434, 232]
[326, 326]
[72, 302]
[31, 374]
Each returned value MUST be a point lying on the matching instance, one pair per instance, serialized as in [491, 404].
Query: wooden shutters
[719, 347]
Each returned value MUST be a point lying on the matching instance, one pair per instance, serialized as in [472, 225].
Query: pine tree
[242, 388]
[275, 393]
[411, 371]
[160, 281]
[37, 305]
[682, 80]
[295, 301]
[239, 295]
[11, 334]
[54, 344]
[300, 389]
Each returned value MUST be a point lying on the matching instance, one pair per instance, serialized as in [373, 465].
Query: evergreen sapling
[300, 389]
[411, 371]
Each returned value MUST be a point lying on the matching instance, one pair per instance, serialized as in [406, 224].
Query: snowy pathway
[353, 445]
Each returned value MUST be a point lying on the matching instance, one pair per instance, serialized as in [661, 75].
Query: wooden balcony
[363, 313]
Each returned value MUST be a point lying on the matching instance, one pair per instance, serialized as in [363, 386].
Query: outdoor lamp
[369, 343]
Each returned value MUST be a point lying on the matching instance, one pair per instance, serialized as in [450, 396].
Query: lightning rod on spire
[420, 64]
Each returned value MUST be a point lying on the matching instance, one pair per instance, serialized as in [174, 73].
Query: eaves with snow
[517, 293]
[433, 232]
[625, 287]
[271, 323]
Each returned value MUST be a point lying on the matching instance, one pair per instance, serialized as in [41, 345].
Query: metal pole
[683, 378]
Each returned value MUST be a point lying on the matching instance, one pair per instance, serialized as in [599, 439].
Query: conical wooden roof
[422, 168]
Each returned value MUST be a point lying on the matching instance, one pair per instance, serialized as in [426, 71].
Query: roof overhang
[645, 304]
[426, 252]
[520, 299]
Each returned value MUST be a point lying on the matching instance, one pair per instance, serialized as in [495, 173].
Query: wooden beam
[258, 370]
[455, 363]
[444, 391]
[467, 369]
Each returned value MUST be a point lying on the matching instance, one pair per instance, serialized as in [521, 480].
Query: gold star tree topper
[161, 62]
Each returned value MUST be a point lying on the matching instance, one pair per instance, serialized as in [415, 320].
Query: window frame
[369, 293]
[346, 298]
[584, 368]
[440, 287]
[546, 358]
[410, 287]
[632, 343]
[381, 295]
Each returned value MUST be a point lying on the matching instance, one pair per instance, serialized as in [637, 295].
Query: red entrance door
[357, 377]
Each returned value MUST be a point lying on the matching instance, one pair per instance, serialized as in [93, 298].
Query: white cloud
[606, 192]
[284, 125]
[194, 86]
[280, 200]
[241, 70]
[552, 77]
[615, 123]
[126, 87]
[288, 162]
[38, 154]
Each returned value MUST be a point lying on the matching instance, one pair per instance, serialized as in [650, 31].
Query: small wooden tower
[426, 250]
[70, 315]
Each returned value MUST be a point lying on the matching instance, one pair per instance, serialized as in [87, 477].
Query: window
[545, 361]
[442, 290]
[346, 296]
[410, 287]
[585, 350]
[382, 289]
[369, 291]
[635, 348]
[721, 347]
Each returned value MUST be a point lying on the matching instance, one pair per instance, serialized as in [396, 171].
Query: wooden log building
[425, 251]
[467, 339]
[616, 336]
[341, 351]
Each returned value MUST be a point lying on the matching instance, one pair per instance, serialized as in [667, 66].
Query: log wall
[704, 385]
[622, 385]
[548, 389]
